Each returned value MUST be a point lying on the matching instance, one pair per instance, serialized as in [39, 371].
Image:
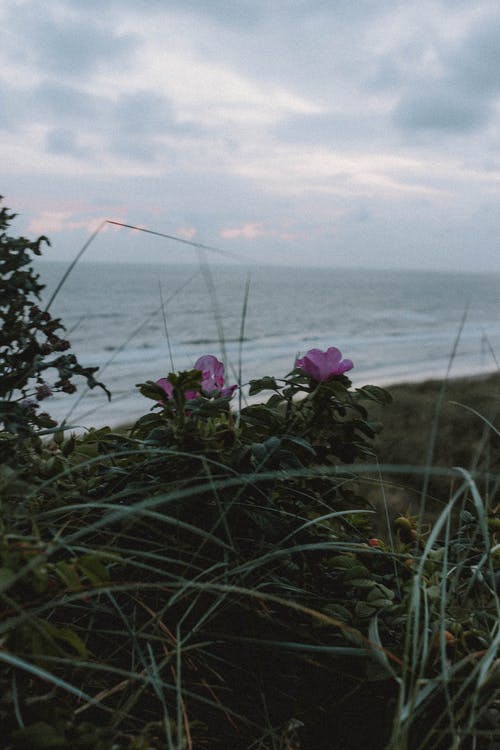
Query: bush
[30, 343]
[210, 579]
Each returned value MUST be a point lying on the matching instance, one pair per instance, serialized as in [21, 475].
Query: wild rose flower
[212, 380]
[320, 366]
[212, 373]
[166, 386]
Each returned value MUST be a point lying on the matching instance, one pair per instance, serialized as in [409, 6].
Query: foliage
[211, 579]
[30, 342]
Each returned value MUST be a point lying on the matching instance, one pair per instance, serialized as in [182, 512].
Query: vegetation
[212, 578]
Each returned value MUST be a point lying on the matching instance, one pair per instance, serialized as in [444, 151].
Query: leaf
[263, 451]
[52, 633]
[362, 583]
[262, 384]
[433, 592]
[343, 562]
[356, 571]
[260, 416]
[68, 575]
[365, 427]
[380, 592]
[381, 668]
[93, 568]
[363, 610]
[74, 640]
[152, 390]
[6, 578]
[374, 393]
[275, 401]
[300, 442]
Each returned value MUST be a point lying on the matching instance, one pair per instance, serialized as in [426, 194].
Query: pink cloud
[187, 233]
[247, 231]
[60, 221]
[50, 222]
[251, 231]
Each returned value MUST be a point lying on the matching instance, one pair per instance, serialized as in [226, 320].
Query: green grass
[151, 598]
[274, 579]
[466, 423]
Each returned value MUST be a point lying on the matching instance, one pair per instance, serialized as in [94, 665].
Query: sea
[140, 322]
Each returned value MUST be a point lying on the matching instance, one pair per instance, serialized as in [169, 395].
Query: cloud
[458, 93]
[60, 141]
[475, 64]
[248, 231]
[186, 233]
[70, 102]
[441, 108]
[287, 170]
[48, 222]
[241, 14]
[257, 122]
[12, 108]
[143, 113]
[257, 230]
[65, 43]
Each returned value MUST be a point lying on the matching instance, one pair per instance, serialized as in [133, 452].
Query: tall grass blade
[73, 264]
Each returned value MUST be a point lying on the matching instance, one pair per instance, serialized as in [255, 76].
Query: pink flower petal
[212, 372]
[212, 380]
[166, 386]
[321, 366]
[190, 395]
[228, 391]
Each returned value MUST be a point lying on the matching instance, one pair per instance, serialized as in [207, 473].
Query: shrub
[210, 579]
[31, 344]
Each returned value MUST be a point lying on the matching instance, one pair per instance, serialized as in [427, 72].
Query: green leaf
[152, 390]
[93, 568]
[374, 393]
[6, 578]
[356, 571]
[263, 451]
[301, 442]
[74, 640]
[362, 583]
[380, 592]
[275, 401]
[262, 384]
[363, 610]
[68, 575]
[343, 562]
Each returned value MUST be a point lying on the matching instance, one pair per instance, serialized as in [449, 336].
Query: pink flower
[167, 387]
[212, 373]
[212, 380]
[320, 366]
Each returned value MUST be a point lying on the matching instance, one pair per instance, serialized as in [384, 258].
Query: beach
[139, 322]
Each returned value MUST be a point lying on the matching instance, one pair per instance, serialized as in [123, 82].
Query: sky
[341, 133]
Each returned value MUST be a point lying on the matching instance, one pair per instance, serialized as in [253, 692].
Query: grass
[131, 618]
[466, 425]
[274, 579]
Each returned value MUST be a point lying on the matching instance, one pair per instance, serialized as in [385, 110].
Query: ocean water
[134, 321]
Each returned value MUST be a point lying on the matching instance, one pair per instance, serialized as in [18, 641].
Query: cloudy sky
[325, 132]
